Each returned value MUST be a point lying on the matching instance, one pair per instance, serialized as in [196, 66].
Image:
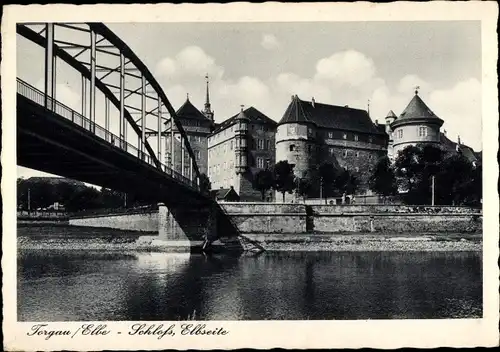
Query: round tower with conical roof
[295, 137]
[241, 137]
[416, 124]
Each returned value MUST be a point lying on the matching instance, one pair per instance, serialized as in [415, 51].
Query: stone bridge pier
[186, 228]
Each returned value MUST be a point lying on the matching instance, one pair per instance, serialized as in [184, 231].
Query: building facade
[312, 133]
[238, 149]
[198, 127]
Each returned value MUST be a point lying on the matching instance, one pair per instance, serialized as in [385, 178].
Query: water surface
[82, 285]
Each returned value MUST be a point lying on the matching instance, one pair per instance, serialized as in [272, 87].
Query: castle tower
[207, 111]
[241, 136]
[416, 124]
[295, 137]
[389, 119]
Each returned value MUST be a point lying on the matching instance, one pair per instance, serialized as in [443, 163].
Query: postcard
[219, 176]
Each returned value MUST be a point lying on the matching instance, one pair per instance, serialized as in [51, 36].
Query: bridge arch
[102, 40]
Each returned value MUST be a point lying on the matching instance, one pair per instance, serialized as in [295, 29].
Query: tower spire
[208, 110]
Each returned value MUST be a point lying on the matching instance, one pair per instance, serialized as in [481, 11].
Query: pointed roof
[241, 115]
[417, 109]
[329, 116]
[295, 112]
[391, 114]
[189, 111]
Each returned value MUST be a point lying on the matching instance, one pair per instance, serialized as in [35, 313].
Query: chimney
[376, 122]
[313, 101]
[458, 139]
[346, 106]
[444, 132]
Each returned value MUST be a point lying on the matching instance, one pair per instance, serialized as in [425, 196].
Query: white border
[265, 334]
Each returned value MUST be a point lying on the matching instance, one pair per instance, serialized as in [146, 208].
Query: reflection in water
[63, 286]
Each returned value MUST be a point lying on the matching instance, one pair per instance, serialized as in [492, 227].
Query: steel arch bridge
[106, 65]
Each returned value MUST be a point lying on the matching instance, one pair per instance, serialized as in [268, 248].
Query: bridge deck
[62, 143]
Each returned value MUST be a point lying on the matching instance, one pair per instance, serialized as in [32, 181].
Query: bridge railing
[34, 94]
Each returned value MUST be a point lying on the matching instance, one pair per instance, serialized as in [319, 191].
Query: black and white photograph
[174, 174]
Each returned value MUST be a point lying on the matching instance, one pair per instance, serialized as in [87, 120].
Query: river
[91, 285]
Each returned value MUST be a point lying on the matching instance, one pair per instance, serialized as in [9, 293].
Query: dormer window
[330, 135]
[292, 147]
[344, 136]
[400, 133]
[356, 138]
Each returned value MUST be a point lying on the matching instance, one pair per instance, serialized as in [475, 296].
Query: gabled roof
[465, 150]
[251, 114]
[329, 116]
[225, 194]
[189, 111]
[417, 109]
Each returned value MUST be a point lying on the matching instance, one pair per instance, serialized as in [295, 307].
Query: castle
[310, 133]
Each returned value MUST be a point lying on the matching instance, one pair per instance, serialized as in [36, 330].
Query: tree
[284, 180]
[345, 182]
[415, 167]
[327, 175]
[205, 184]
[263, 182]
[455, 181]
[383, 179]
[304, 186]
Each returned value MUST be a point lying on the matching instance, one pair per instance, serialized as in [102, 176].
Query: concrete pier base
[185, 228]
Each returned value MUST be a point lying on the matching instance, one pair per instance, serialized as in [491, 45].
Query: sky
[341, 63]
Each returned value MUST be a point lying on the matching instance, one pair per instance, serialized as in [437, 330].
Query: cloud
[460, 108]
[408, 83]
[343, 78]
[348, 67]
[190, 61]
[269, 42]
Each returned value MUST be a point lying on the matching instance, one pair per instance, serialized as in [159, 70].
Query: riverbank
[35, 238]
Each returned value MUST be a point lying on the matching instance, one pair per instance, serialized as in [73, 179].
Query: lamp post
[432, 190]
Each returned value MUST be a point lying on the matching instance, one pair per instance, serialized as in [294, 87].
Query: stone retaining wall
[145, 222]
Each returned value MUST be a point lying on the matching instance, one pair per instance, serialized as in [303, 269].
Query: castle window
[422, 131]
[330, 150]
[260, 143]
[268, 144]
[260, 163]
[197, 155]
[292, 130]
[356, 137]
[344, 136]
[345, 153]
[292, 147]
[357, 154]
[231, 145]
[400, 133]
[330, 134]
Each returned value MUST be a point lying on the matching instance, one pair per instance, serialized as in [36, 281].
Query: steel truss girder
[129, 57]
[34, 37]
